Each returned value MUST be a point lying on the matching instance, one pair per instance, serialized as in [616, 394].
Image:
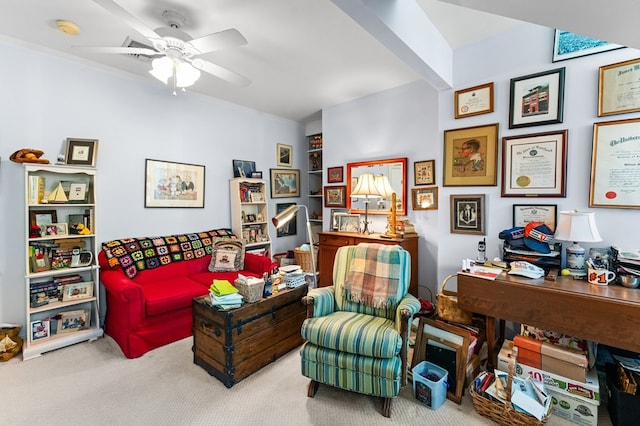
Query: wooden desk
[606, 314]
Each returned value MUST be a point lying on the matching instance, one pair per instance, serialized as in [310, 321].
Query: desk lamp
[285, 217]
[577, 226]
[366, 187]
[386, 191]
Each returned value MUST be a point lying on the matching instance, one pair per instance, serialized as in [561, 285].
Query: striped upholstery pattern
[354, 333]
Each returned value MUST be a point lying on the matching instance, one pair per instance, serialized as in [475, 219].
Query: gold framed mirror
[395, 169]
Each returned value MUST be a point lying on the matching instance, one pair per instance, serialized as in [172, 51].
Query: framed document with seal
[474, 100]
[618, 89]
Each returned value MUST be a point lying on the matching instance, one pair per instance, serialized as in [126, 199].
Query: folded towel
[222, 287]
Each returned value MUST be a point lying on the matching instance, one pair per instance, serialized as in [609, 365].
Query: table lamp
[285, 217]
[366, 187]
[577, 226]
[386, 191]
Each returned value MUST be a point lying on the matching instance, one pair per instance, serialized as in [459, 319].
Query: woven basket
[303, 258]
[251, 292]
[505, 414]
[448, 305]
[12, 332]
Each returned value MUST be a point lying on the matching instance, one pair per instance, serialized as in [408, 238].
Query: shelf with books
[249, 213]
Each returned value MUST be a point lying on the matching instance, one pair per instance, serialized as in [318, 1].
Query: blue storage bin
[430, 384]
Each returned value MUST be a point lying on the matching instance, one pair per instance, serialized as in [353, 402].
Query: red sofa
[153, 308]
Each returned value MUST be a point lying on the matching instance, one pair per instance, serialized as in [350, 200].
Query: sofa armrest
[319, 301]
[258, 264]
[125, 299]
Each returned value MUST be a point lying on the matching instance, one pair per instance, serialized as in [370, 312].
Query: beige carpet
[94, 384]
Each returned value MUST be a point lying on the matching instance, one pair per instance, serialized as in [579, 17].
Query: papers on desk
[472, 269]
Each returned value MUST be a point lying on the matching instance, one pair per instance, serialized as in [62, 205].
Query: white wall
[46, 99]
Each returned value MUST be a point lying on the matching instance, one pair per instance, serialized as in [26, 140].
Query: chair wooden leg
[386, 407]
[313, 387]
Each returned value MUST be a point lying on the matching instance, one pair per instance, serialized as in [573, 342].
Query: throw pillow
[227, 255]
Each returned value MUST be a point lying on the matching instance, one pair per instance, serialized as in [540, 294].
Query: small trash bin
[430, 384]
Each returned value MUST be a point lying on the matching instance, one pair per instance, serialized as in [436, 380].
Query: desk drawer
[337, 240]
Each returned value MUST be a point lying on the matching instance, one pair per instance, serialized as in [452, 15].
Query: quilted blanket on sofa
[137, 254]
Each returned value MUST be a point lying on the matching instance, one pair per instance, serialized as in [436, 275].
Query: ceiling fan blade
[220, 72]
[131, 20]
[121, 50]
[219, 40]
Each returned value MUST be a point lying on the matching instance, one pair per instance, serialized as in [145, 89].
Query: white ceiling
[301, 56]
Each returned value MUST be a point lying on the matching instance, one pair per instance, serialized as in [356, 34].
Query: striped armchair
[355, 346]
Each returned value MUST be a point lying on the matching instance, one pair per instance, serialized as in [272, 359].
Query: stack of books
[404, 228]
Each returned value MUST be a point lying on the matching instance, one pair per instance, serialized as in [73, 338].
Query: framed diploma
[619, 88]
[537, 99]
[615, 179]
[545, 213]
[474, 100]
[535, 165]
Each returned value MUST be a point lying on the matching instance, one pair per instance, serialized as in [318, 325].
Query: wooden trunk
[231, 345]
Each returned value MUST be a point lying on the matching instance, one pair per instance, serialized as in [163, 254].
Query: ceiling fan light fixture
[186, 74]
[162, 69]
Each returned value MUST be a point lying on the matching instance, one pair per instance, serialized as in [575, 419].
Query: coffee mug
[600, 276]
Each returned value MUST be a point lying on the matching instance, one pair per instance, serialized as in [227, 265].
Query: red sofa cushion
[169, 295]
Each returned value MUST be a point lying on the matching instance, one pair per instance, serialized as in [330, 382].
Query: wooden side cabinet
[331, 241]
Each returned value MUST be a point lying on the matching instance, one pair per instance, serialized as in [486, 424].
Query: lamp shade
[285, 216]
[366, 187]
[577, 226]
[384, 186]
[186, 74]
[162, 69]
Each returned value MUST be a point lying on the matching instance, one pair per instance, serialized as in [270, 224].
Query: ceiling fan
[177, 55]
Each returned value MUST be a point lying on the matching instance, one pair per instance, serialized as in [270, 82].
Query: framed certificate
[474, 100]
[618, 88]
[545, 213]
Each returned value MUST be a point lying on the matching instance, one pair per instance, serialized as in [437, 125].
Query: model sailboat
[57, 195]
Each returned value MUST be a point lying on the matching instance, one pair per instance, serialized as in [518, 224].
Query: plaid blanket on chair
[374, 276]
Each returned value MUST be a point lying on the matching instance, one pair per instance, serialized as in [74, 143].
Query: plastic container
[430, 384]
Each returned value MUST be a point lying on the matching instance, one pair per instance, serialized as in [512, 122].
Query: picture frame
[335, 196]
[77, 291]
[243, 168]
[291, 228]
[470, 156]
[545, 213]
[284, 155]
[41, 218]
[424, 198]
[256, 175]
[467, 214]
[334, 217]
[537, 99]
[424, 172]
[447, 346]
[77, 192]
[285, 183]
[39, 263]
[617, 88]
[335, 174]
[614, 179]
[40, 330]
[81, 152]
[256, 197]
[349, 223]
[474, 100]
[173, 185]
[56, 229]
[535, 165]
[71, 321]
[568, 45]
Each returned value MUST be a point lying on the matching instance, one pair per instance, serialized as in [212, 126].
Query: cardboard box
[589, 389]
[573, 408]
[570, 363]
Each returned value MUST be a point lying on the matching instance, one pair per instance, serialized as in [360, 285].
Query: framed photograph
[335, 196]
[40, 330]
[251, 218]
[256, 197]
[615, 181]
[424, 172]
[535, 165]
[56, 229]
[470, 156]
[467, 214]
[335, 174]
[256, 175]
[39, 263]
[243, 168]
[617, 88]
[545, 213]
[334, 217]
[568, 45]
[81, 152]
[291, 228]
[474, 100]
[171, 184]
[77, 192]
[537, 99]
[349, 223]
[284, 155]
[285, 183]
[73, 321]
[77, 291]
[40, 218]
[424, 198]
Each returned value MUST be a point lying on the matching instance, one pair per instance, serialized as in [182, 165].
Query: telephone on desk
[80, 258]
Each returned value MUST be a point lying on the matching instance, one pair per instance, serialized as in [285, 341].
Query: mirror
[394, 169]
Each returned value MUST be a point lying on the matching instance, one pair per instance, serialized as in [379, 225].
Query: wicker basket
[505, 414]
[303, 258]
[252, 292]
[448, 305]
[12, 333]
